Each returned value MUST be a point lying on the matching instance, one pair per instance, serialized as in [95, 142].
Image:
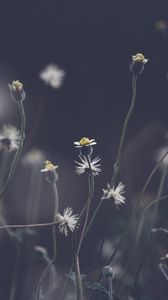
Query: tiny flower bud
[108, 272]
[17, 91]
[137, 64]
[50, 172]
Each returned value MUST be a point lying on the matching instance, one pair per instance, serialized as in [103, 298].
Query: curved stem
[18, 152]
[56, 204]
[123, 134]
[120, 149]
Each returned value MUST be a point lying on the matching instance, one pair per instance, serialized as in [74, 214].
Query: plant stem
[18, 152]
[163, 271]
[77, 265]
[123, 134]
[161, 185]
[120, 149]
[56, 205]
[78, 279]
[110, 284]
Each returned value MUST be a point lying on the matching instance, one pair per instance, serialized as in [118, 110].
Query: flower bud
[137, 64]
[17, 91]
[50, 172]
[108, 272]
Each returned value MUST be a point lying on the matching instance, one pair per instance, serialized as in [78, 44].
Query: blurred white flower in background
[33, 157]
[9, 138]
[53, 76]
[115, 193]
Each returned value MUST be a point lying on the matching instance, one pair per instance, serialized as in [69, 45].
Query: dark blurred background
[93, 42]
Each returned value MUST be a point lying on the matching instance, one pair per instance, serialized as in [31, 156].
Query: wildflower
[84, 166]
[108, 272]
[17, 91]
[85, 142]
[137, 64]
[115, 193]
[85, 146]
[53, 76]
[68, 220]
[49, 169]
[9, 138]
[33, 158]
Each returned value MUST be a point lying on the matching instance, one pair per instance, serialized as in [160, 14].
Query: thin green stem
[123, 134]
[120, 149]
[18, 152]
[77, 265]
[56, 205]
[78, 279]
[110, 284]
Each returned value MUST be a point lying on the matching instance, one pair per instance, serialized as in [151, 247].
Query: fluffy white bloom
[68, 220]
[85, 142]
[115, 193]
[53, 76]
[83, 165]
[33, 157]
[9, 138]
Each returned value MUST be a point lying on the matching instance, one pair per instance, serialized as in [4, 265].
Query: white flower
[68, 220]
[115, 193]
[9, 138]
[83, 166]
[85, 142]
[53, 76]
[33, 158]
[15, 86]
[49, 167]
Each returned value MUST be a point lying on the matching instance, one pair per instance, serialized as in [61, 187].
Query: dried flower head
[53, 76]
[9, 138]
[17, 91]
[68, 220]
[50, 171]
[83, 165]
[115, 193]
[108, 272]
[137, 64]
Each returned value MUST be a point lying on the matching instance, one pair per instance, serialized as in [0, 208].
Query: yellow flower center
[138, 57]
[84, 141]
[49, 166]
